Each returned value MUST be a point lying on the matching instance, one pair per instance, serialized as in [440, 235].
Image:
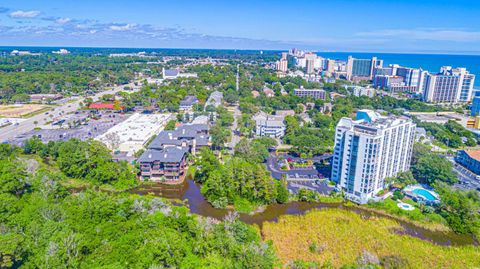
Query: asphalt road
[235, 137]
[11, 131]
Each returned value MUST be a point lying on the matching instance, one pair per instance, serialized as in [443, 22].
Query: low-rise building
[269, 125]
[268, 92]
[363, 91]
[469, 159]
[175, 73]
[284, 113]
[215, 99]
[103, 106]
[42, 98]
[314, 93]
[187, 103]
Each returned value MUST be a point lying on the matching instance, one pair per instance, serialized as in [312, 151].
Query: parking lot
[467, 180]
[320, 186]
[274, 164]
[91, 129]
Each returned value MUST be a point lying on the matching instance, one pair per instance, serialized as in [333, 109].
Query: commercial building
[269, 125]
[362, 69]
[450, 86]
[132, 134]
[469, 159]
[175, 73]
[166, 157]
[42, 98]
[368, 150]
[314, 93]
[105, 106]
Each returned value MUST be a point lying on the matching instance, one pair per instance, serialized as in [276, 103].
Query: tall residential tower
[368, 150]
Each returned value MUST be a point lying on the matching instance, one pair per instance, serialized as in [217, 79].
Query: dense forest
[45, 225]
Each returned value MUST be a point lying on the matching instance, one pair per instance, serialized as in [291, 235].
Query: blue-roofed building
[475, 109]
[469, 159]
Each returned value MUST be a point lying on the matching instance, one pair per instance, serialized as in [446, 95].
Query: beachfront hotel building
[362, 69]
[449, 86]
[368, 150]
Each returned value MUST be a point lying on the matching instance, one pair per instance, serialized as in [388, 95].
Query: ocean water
[430, 62]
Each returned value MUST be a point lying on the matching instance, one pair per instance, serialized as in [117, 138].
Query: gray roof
[182, 135]
[189, 100]
[166, 155]
[171, 72]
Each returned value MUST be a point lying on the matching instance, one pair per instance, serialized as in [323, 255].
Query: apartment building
[269, 125]
[314, 93]
[449, 86]
[362, 69]
[166, 157]
[368, 150]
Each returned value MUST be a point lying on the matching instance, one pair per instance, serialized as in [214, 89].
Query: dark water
[430, 62]
[198, 205]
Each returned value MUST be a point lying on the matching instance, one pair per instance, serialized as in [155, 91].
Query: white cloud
[25, 14]
[425, 34]
[126, 27]
[63, 20]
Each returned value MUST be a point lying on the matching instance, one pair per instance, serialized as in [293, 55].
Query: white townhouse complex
[368, 150]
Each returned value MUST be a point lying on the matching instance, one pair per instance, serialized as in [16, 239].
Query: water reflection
[190, 191]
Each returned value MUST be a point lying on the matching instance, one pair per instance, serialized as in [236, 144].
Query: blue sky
[355, 25]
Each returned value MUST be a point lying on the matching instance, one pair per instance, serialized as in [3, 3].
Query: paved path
[11, 131]
[235, 135]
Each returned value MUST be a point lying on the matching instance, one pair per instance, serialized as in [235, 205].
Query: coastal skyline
[364, 26]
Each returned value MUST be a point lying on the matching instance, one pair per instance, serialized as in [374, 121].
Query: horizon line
[464, 53]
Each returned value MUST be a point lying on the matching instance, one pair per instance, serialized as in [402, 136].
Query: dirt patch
[18, 111]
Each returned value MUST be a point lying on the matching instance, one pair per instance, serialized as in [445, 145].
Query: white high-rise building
[368, 150]
[282, 64]
[451, 85]
[310, 62]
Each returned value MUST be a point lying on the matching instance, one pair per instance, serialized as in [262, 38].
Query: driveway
[297, 174]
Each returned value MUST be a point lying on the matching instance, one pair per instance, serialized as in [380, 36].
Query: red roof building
[106, 106]
[101, 106]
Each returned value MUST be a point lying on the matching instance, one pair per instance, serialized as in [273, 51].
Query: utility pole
[238, 77]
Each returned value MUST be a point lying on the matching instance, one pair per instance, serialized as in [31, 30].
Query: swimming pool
[425, 194]
[420, 193]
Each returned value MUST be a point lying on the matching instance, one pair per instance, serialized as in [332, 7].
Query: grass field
[22, 111]
[340, 237]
